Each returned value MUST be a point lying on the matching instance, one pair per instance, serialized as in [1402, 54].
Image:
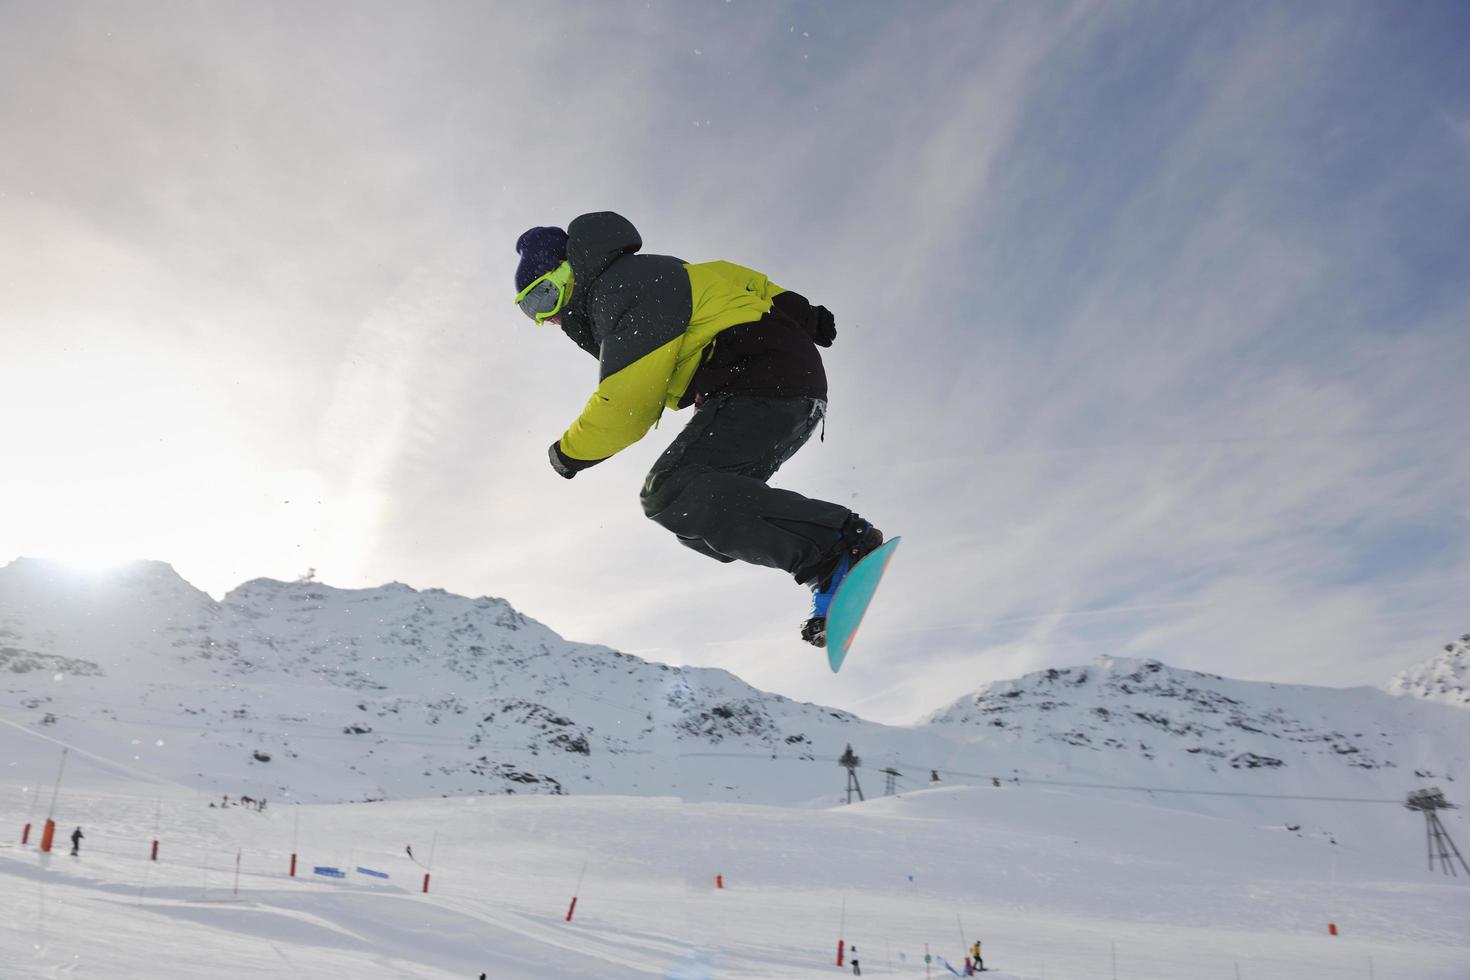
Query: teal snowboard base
[851, 601]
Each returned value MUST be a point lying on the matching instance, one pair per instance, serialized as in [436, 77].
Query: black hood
[594, 242]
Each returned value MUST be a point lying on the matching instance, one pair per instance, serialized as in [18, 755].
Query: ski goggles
[545, 297]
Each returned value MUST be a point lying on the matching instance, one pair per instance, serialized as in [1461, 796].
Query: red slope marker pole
[295, 838]
[433, 843]
[577, 891]
[49, 834]
[841, 931]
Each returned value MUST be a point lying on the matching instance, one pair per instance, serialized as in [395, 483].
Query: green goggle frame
[545, 297]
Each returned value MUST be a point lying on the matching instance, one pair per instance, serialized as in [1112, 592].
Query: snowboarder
[726, 340]
[857, 971]
[975, 955]
[76, 842]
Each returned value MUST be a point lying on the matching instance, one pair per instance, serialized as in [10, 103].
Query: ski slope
[1056, 885]
[1124, 819]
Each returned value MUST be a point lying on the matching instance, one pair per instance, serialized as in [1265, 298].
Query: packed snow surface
[1054, 886]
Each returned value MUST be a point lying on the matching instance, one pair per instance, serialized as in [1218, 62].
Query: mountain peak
[1444, 677]
[50, 580]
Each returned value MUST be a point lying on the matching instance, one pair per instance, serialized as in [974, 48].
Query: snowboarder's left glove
[561, 462]
[824, 326]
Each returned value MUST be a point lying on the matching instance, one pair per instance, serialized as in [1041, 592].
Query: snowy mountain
[332, 694]
[1157, 714]
[300, 690]
[1445, 678]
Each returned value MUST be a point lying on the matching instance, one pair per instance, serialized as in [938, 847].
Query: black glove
[560, 462]
[824, 326]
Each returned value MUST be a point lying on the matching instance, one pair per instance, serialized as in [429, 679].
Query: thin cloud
[1151, 321]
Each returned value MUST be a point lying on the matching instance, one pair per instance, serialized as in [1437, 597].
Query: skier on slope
[720, 337]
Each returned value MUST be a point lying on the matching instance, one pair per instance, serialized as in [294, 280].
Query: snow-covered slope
[1173, 818]
[1444, 678]
[1257, 752]
[1055, 887]
[1149, 715]
[332, 694]
[304, 691]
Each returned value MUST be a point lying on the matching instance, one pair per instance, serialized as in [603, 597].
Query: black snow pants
[709, 487]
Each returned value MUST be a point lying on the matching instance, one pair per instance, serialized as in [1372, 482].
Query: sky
[1153, 319]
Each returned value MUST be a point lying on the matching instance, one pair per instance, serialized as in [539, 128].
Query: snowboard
[845, 614]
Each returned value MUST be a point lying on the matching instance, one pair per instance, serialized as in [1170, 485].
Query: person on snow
[716, 336]
[975, 955]
[857, 971]
[76, 842]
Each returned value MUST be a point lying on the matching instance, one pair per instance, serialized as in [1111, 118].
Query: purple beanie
[542, 249]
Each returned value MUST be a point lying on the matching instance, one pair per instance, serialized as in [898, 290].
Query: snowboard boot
[857, 539]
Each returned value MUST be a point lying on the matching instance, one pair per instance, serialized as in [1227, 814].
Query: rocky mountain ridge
[1444, 678]
[305, 691]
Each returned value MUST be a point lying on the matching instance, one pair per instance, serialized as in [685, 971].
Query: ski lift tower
[850, 762]
[1430, 802]
[890, 780]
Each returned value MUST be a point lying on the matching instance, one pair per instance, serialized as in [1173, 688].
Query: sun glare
[92, 562]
